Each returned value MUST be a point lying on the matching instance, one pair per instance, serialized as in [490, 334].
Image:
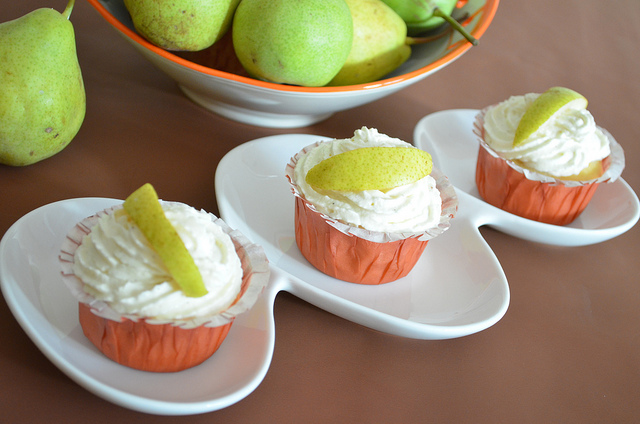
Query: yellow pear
[379, 43]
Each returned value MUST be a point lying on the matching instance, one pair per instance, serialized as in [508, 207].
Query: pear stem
[456, 25]
[67, 10]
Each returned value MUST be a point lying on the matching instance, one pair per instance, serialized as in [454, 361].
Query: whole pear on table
[182, 25]
[42, 97]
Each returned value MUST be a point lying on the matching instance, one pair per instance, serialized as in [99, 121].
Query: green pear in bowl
[182, 25]
[42, 96]
[297, 42]
[425, 15]
[379, 43]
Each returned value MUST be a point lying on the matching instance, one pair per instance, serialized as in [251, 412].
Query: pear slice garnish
[549, 103]
[370, 168]
[144, 208]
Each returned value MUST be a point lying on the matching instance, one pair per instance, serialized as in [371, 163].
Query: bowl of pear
[223, 79]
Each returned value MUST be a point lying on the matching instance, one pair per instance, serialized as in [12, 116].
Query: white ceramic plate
[34, 290]
[448, 136]
[456, 289]
[455, 302]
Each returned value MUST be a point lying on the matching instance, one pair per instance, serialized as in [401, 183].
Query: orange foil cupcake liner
[154, 345]
[520, 191]
[357, 255]
[151, 347]
[351, 258]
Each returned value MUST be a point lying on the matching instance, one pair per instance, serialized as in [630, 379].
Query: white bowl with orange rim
[214, 79]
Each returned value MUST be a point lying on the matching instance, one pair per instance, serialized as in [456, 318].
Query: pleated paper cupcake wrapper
[255, 267]
[151, 347]
[447, 193]
[615, 163]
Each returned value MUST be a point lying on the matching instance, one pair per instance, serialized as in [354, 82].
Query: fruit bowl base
[252, 116]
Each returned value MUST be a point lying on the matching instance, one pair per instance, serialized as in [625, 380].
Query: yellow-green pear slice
[144, 208]
[552, 101]
[370, 168]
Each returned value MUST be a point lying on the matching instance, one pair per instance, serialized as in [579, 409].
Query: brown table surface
[568, 348]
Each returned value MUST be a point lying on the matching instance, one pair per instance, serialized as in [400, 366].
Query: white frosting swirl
[563, 146]
[412, 207]
[118, 266]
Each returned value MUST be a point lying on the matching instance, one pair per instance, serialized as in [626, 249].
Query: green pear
[379, 43]
[182, 25]
[419, 13]
[298, 42]
[425, 15]
[370, 168]
[42, 97]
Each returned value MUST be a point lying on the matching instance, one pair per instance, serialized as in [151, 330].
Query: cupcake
[131, 305]
[546, 172]
[370, 236]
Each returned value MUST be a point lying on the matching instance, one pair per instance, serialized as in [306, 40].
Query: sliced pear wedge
[370, 168]
[144, 208]
[549, 103]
